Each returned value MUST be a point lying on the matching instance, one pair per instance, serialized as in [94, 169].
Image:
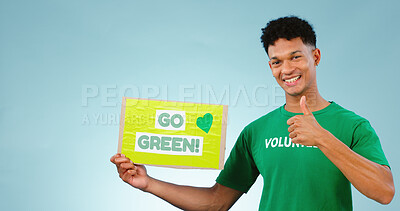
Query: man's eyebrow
[298, 51]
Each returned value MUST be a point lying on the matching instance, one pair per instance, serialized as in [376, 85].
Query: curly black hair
[288, 27]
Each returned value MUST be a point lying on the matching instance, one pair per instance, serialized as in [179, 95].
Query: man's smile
[291, 81]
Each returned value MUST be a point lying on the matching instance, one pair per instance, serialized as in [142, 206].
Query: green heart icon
[205, 122]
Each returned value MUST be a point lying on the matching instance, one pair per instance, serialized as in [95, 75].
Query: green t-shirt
[298, 177]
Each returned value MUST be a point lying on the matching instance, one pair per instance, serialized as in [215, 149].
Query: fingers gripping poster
[173, 134]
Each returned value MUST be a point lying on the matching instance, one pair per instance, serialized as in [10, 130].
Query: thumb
[304, 107]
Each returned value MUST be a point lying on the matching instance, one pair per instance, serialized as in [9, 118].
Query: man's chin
[294, 91]
[294, 94]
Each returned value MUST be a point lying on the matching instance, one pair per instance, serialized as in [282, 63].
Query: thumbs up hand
[304, 107]
[304, 129]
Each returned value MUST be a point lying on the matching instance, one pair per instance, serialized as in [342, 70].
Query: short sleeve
[366, 143]
[240, 171]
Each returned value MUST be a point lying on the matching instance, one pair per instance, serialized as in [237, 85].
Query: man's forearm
[217, 197]
[371, 179]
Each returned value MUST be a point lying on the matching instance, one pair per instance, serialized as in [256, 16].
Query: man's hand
[218, 197]
[304, 129]
[131, 173]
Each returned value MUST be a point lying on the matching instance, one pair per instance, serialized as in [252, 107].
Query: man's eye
[296, 57]
[275, 63]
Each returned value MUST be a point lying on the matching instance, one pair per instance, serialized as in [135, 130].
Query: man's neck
[315, 102]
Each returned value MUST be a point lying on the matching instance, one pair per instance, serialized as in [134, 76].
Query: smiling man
[308, 151]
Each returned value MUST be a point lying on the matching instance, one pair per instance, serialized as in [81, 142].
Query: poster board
[173, 134]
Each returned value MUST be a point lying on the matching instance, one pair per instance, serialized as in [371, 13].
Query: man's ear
[269, 63]
[317, 56]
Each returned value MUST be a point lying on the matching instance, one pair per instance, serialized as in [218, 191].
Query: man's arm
[371, 179]
[218, 197]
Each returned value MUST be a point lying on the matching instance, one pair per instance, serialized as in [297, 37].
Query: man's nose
[287, 68]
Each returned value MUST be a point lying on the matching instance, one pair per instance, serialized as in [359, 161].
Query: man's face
[293, 65]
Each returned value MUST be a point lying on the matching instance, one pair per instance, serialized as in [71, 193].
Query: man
[308, 151]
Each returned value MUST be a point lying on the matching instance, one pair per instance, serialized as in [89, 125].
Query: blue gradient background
[53, 158]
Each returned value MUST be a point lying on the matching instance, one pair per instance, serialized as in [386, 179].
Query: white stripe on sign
[169, 144]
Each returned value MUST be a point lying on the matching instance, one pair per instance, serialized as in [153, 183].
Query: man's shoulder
[344, 114]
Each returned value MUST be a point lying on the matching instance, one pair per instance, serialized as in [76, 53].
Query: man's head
[288, 27]
[290, 45]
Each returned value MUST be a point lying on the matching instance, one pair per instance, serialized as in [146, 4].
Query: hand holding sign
[304, 129]
[135, 175]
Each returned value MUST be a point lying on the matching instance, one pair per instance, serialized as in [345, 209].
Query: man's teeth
[292, 79]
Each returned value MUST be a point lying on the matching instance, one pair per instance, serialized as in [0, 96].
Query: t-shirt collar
[290, 114]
